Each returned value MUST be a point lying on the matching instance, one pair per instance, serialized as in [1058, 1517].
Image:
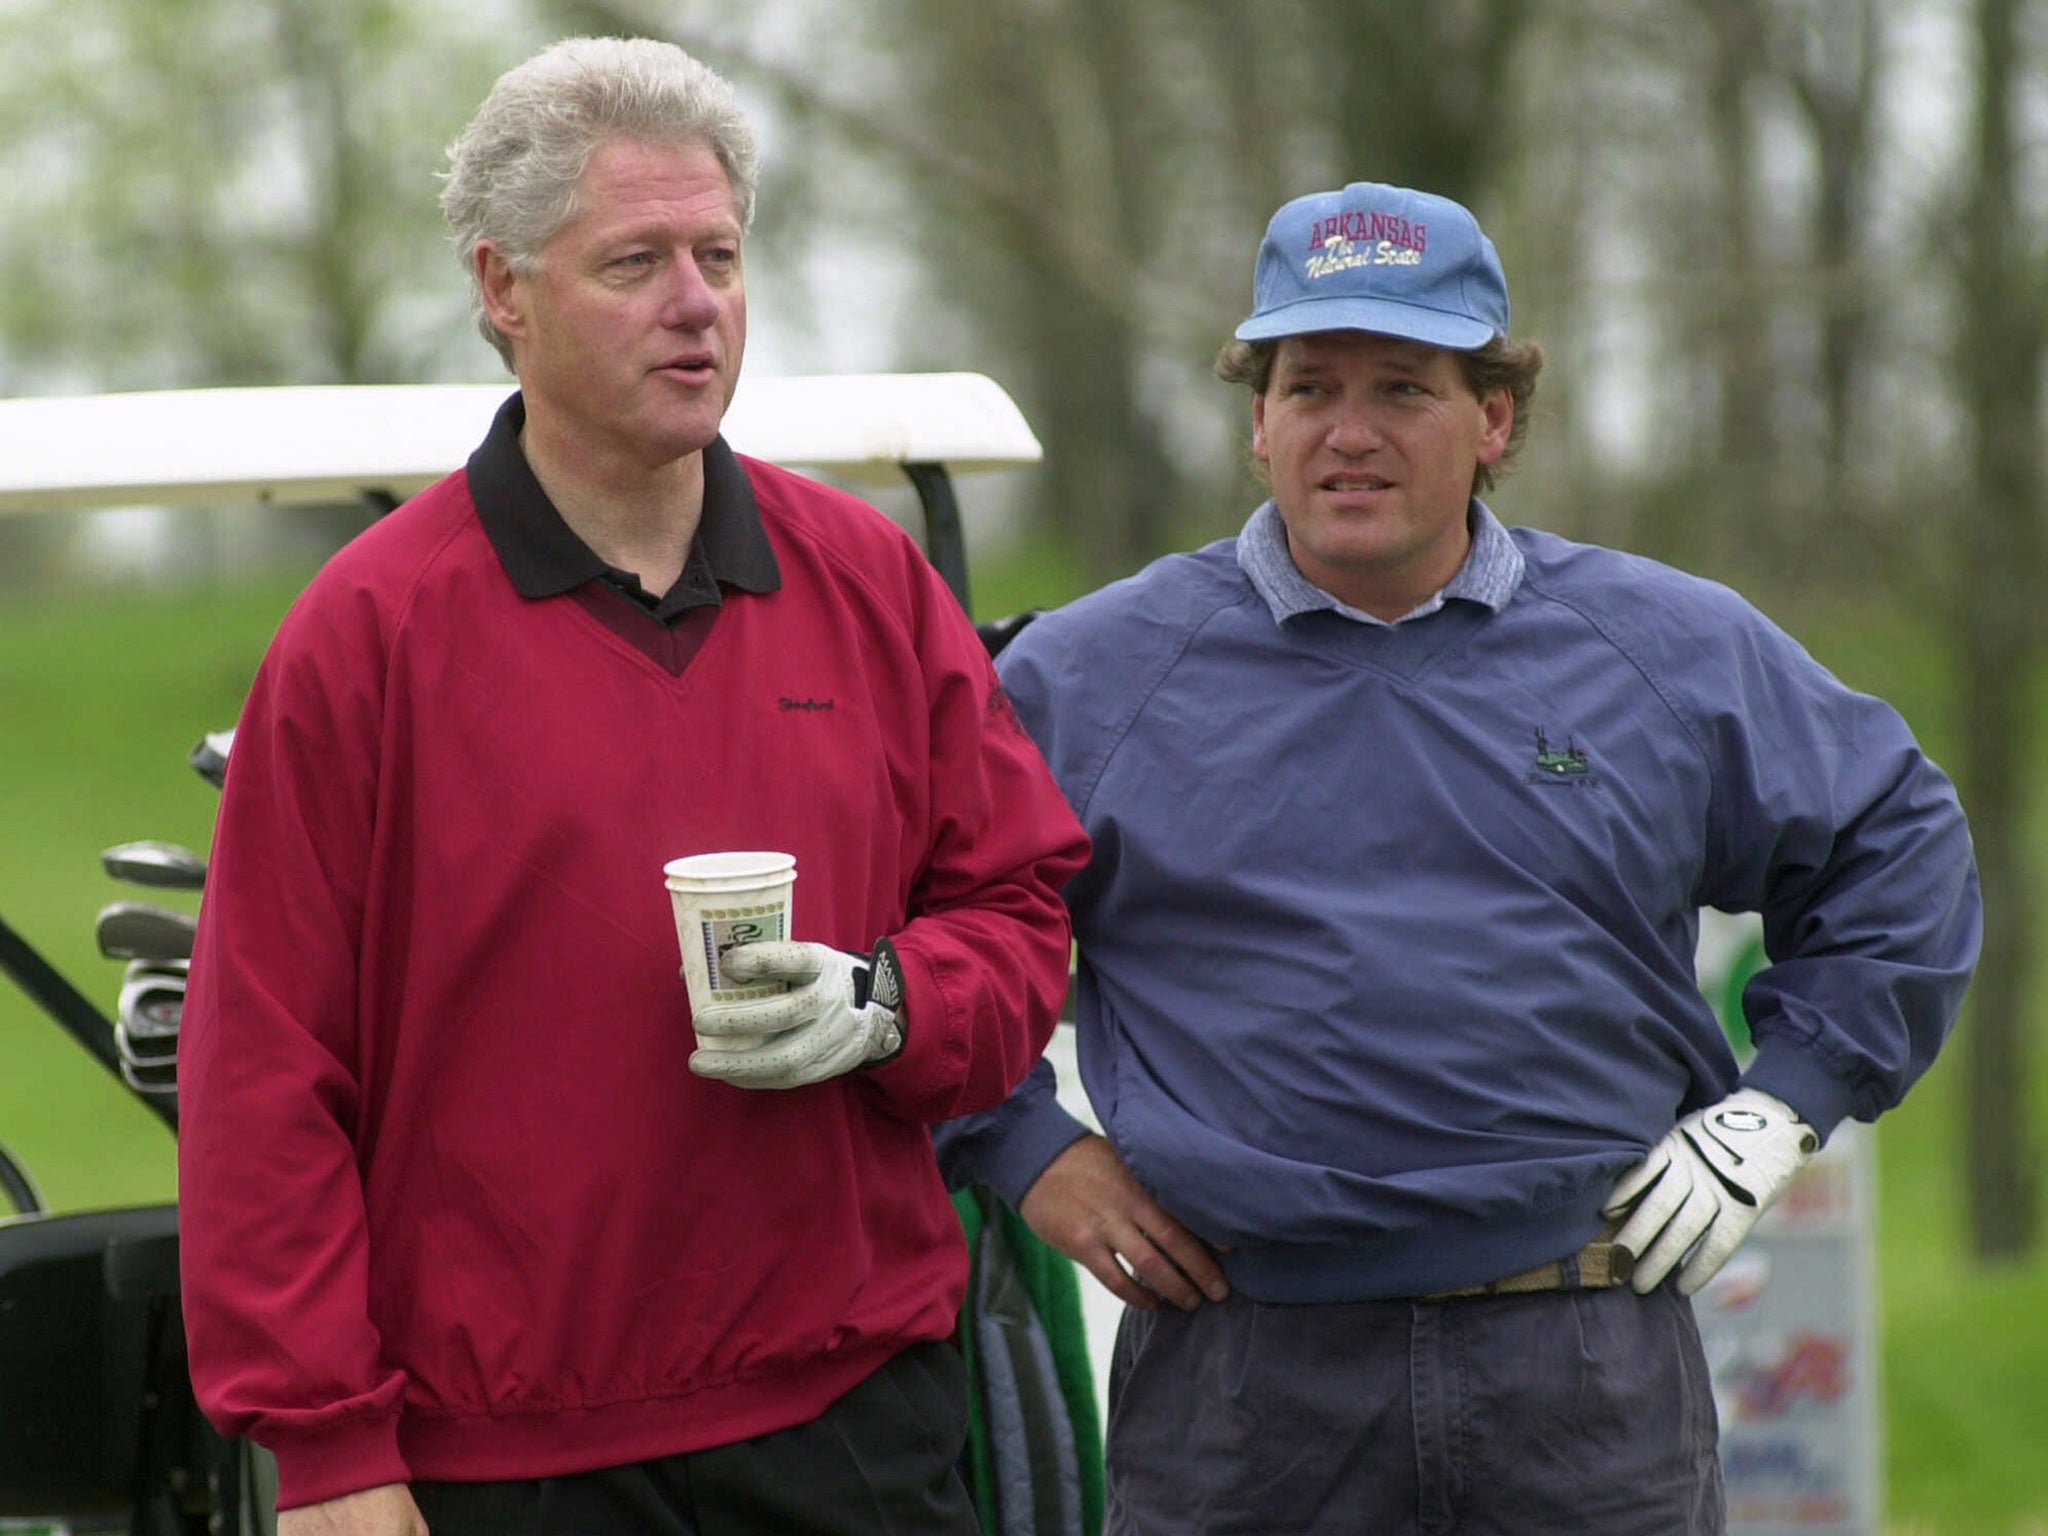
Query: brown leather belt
[1596, 1266]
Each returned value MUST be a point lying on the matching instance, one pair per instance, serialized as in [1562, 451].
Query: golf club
[210, 758]
[175, 970]
[163, 865]
[157, 1082]
[73, 1012]
[140, 930]
[146, 1023]
[157, 1057]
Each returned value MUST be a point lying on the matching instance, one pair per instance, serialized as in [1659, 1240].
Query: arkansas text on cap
[1378, 258]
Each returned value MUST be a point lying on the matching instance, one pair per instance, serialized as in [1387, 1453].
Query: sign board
[1790, 1323]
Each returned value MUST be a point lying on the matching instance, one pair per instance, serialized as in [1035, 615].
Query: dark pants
[882, 1461]
[1584, 1411]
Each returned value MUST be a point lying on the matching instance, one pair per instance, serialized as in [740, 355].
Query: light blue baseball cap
[1378, 258]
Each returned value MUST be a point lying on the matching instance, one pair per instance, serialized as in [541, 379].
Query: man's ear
[502, 288]
[1259, 427]
[1498, 413]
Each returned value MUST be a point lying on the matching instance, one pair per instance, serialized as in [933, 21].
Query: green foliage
[232, 191]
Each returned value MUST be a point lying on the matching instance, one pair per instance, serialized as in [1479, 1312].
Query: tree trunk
[2000, 649]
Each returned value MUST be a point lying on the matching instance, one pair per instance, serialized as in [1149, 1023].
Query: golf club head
[210, 758]
[158, 1082]
[155, 1059]
[141, 930]
[163, 865]
[152, 1003]
[146, 1028]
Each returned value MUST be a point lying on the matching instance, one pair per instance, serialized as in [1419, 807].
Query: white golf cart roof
[326, 443]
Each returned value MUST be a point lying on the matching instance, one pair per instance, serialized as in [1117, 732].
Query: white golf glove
[841, 1011]
[1704, 1185]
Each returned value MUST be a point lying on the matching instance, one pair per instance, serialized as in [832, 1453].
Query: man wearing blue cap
[1402, 823]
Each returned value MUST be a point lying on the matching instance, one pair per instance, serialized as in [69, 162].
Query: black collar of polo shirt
[543, 556]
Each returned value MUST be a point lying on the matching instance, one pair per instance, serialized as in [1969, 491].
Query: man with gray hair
[473, 1240]
[1403, 820]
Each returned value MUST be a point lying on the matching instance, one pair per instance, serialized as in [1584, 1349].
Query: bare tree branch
[1091, 262]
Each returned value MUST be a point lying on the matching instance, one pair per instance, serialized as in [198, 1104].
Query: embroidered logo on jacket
[1566, 769]
[805, 706]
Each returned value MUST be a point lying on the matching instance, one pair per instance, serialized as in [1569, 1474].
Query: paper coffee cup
[721, 900]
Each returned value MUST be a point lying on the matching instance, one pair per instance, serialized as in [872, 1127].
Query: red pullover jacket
[453, 1205]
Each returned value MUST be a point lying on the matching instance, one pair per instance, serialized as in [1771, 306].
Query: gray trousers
[1587, 1412]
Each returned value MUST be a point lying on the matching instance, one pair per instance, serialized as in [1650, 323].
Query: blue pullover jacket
[1387, 941]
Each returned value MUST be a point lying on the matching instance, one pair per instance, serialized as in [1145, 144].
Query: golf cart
[98, 1430]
